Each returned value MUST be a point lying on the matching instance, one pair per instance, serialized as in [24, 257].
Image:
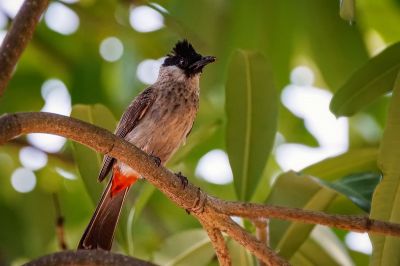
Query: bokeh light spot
[302, 76]
[147, 70]
[11, 7]
[214, 167]
[145, 19]
[23, 180]
[61, 19]
[32, 158]
[359, 242]
[57, 100]
[111, 49]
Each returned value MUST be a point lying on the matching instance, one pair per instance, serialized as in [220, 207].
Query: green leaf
[251, 108]
[353, 161]
[192, 247]
[385, 201]
[298, 191]
[357, 187]
[347, 10]
[322, 248]
[87, 160]
[239, 255]
[336, 57]
[372, 80]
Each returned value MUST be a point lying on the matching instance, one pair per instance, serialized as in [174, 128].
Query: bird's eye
[182, 62]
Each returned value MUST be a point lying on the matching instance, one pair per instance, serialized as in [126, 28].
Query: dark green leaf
[251, 108]
[372, 80]
[357, 187]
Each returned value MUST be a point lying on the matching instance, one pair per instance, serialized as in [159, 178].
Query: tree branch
[209, 210]
[87, 258]
[17, 38]
[346, 222]
[219, 245]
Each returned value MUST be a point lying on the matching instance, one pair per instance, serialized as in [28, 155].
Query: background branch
[17, 38]
[208, 210]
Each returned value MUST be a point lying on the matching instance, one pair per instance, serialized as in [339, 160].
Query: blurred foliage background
[92, 57]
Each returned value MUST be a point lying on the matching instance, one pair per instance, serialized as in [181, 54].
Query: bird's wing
[135, 111]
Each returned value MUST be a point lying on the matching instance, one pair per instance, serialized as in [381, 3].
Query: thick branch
[209, 210]
[87, 258]
[17, 38]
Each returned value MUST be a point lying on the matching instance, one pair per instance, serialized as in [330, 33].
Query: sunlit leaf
[322, 248]
[385, 204]
[372, 80]
[239, 255]
[192, 247]
[353, 161]
[347, 10]
[251, 108]
[357, 187]
[299, 191]
[87, 160]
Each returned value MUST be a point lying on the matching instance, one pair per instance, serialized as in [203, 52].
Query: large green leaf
[372, 80]
[192, 247]
[357, 187]
[322, 248]
[303, 191]
[353, 161]
[251, 108]
[336, 57]
[386, 201]
[87, 160]
[299, 191]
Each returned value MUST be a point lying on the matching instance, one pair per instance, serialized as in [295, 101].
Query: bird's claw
[156, 160]
[184, 180]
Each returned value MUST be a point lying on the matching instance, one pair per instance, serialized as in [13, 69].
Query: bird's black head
[186, 58]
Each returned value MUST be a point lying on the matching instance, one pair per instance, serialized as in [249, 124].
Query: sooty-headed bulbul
[157, 121]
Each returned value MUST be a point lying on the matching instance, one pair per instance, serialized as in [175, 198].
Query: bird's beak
[199, 64]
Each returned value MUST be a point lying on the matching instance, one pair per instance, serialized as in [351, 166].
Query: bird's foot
[184, 180]
[156, 160]
[200, 202]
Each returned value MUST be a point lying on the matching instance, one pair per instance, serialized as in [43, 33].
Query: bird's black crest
[184, 49]
[182, 55]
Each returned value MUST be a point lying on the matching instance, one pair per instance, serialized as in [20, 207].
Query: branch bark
[219, 245]
[17, 38]
[210, 211]
[87, 258]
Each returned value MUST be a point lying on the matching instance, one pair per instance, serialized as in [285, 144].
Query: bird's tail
[99, 233]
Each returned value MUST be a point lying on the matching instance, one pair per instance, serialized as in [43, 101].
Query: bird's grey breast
[168, 120]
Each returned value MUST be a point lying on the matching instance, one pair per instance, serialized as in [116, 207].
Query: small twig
[59, 224]
[219, 245]
[346, 222]
[261, 225]
[259, 249]
[17, 38]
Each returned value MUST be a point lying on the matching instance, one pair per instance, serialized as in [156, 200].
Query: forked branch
[213, 213]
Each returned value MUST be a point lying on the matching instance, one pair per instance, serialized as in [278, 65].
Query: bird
[158, 122]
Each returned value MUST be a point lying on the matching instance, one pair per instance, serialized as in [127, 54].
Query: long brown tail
[99, 234]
